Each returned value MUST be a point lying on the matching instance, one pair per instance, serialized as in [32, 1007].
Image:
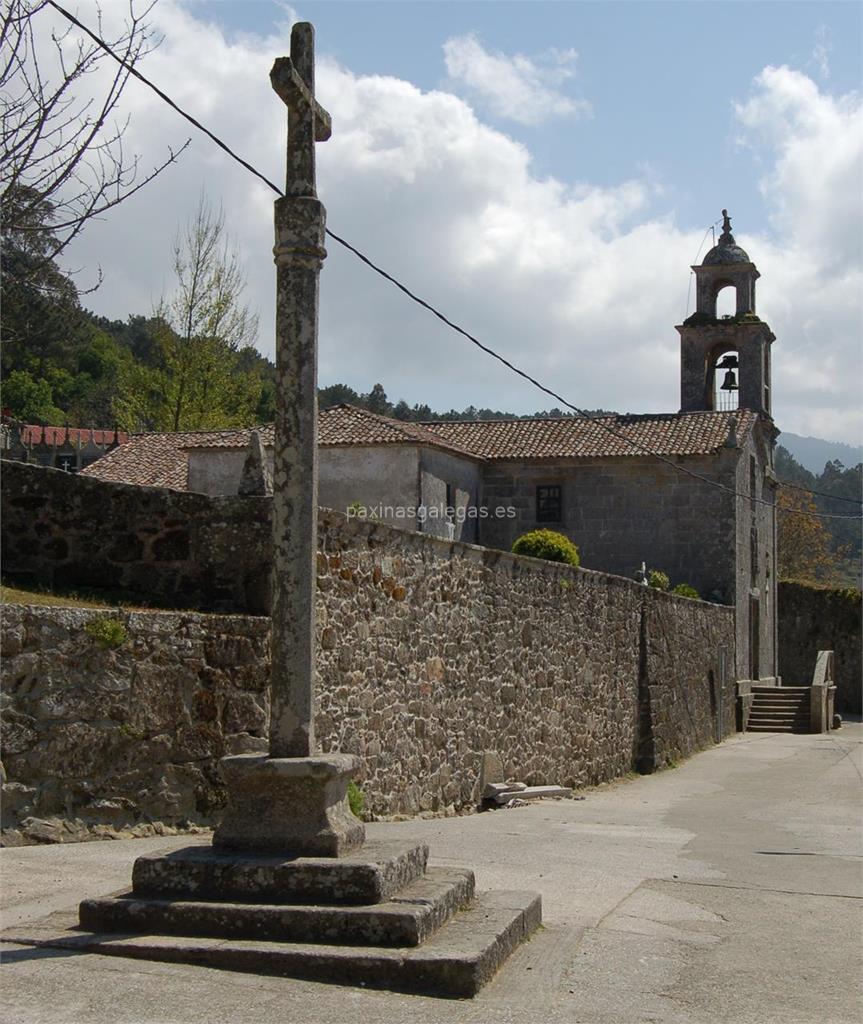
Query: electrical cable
[642, 449]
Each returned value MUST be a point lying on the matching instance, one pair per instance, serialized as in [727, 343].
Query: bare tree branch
[60, 141]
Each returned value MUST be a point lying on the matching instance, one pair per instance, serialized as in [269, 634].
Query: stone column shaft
[299, 252]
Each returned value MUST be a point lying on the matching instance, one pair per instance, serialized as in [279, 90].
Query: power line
[822, 494]
[643, 449]
[163, 96]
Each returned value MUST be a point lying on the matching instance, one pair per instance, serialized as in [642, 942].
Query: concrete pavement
[727, 890]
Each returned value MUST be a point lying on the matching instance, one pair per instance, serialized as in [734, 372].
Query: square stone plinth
[376, 872]
[291, 806]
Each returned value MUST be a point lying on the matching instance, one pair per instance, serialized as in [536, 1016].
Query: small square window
[549, 505]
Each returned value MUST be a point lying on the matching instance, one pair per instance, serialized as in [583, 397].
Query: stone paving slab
[455, 962]
[373, 874]
[408, 919]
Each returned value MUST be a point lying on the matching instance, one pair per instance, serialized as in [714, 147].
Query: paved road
[726, 891]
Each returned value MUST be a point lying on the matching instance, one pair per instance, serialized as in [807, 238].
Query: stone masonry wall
[813, 619]
[429, 654]
[152, 545]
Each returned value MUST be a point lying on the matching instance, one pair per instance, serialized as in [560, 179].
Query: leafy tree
[835, 485]
[376, 401]
[789, 470]
[804, 549]
[203, 331]
[42, 316]
[30, 400]
[338, 394]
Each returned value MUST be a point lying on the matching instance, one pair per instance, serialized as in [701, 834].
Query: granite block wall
[813, 619]
[429, 654]
[151, 545]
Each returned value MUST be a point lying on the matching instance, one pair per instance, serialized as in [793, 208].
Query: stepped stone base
[406, 920]
[286, 889]
[455, 962]
[378, 917]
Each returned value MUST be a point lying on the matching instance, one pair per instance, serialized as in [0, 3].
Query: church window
[549, 504]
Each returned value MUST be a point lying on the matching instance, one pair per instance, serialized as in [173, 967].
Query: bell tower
[725, 361]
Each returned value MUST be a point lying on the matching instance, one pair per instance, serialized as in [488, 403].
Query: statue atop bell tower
[738, 342]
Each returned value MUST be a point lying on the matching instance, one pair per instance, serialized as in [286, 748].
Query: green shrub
[356, 799]
[659, 580]
[685, 590]
[554, 547]
[108, 633]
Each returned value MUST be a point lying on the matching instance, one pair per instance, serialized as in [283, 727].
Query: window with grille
[549, 504]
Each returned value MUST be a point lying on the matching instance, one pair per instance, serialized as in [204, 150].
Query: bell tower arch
[727, 357]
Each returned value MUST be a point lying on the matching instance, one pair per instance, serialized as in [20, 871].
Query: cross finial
[726, 224]
[293, 78]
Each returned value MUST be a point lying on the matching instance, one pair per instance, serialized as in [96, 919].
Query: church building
[691, 493]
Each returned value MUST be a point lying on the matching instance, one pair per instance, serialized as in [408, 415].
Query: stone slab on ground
[408, 919]
[372, 874]
[455, 962]
[530, 793]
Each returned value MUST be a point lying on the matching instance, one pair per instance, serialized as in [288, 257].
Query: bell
[730, 382]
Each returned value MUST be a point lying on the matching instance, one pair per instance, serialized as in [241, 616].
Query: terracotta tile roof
[151, 460]
[692, 433]
[34, 433]
[161, 460]
[347, 424]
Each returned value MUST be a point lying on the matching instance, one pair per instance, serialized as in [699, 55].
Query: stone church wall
[623, 512]
[813, 619]
[429, 654]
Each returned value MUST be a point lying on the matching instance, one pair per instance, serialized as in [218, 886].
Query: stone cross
[299, 252]
[293, 78]
[293, 802]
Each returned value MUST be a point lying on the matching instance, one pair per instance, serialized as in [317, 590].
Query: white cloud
[522, 89]
[813, 263]
[821, 51]
[580, 283]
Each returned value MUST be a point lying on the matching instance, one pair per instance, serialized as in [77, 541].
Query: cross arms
[295, 94]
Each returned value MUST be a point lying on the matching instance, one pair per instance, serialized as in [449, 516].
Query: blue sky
[660, 77]
[543, 172]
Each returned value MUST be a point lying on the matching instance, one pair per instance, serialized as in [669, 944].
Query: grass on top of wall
[20, 593]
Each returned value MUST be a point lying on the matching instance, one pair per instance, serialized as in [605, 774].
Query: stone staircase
[779, 709]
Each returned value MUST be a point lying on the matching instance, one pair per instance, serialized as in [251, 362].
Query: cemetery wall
[171, 549]
[430, 653]
[813, 619]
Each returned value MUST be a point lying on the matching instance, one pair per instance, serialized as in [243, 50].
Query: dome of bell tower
[726, 249]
